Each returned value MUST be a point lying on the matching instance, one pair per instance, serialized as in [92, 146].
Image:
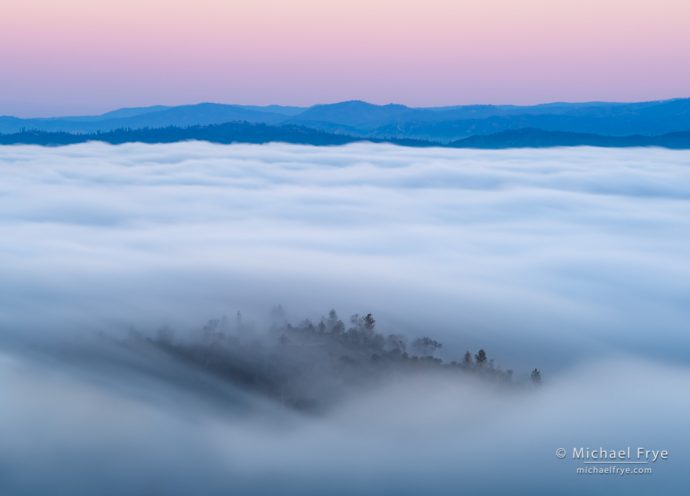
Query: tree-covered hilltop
[226, 133]
[310, 366]
[259, 133]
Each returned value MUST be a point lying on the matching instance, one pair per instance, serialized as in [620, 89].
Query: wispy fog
[576, 261]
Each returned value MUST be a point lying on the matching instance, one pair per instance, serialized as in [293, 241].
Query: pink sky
[86, 56]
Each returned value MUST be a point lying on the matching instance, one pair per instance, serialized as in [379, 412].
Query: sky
[62, 57]
[571, 260]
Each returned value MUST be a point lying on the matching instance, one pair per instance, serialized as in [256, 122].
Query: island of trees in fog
[310, 366]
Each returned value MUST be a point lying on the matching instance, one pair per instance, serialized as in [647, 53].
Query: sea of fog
[575, 261]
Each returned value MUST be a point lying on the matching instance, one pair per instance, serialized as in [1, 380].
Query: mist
[571, 260]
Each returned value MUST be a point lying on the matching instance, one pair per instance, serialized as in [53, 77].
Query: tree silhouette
[480, 357]
[369, 322]
[426, 345]
[536, 377]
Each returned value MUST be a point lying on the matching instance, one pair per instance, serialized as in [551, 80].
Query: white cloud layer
[573, 260]
[570, 250]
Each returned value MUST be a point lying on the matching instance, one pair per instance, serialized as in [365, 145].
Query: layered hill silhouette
[245, 132]
[657, 123]
[232, 132]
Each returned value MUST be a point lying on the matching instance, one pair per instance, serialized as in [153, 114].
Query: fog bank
[549, 253]
[575, 261]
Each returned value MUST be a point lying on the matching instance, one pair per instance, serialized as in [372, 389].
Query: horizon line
[353, 100]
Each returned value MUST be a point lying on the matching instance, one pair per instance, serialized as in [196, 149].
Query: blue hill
[390, 122]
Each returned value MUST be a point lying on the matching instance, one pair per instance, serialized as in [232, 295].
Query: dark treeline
[258, 133]
[231, 132]
[310, 366]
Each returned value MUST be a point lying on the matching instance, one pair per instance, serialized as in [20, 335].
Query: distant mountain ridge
[260, 133]
[148, 117]
[389, 122]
